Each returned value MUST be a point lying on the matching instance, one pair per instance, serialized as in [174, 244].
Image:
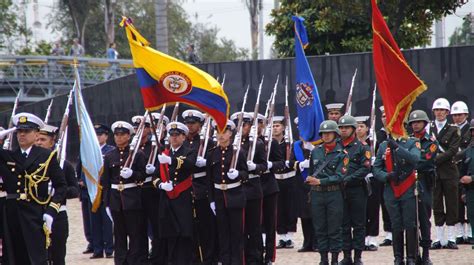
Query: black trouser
[179, 250]
[204, 233]
[59, 235]
[230, 231]
[253, 232]
[86, 217]
[309, 238]
[286, 213]
[445, 192]
[470, 205]
[102, 234]
[462, 207]
[424, 215]
[269, 225]
[387, 224]
[150, 203]
[373, 208]
[353, 224]
[130, 237]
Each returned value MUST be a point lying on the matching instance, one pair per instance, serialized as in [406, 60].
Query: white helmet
[459, 107]
[441, 103]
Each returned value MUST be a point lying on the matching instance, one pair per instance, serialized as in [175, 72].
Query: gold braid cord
[47, 233]
[35, 178]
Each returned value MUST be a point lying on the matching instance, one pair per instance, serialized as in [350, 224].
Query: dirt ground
[77, 243]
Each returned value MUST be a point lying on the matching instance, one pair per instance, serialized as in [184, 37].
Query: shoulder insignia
[433, 148]
[418, 145]
[344, 170]
[364, 143]
[367, 163]
[368, 155]
[345, 161]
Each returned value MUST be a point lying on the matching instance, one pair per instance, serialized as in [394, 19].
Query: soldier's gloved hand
[368, 177]
[166, 186]
[233, 174]
[48, 220]
[126, 172]
[392, 176]
[109, 213]
[287, 164]
[251, 165]
[164, 159]
[213, 207]
[392, 144]
[150, 169]
[304, 164]
[308, 146]
[201, 161]
[269, 165]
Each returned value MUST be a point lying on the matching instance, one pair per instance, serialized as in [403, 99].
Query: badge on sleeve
[418, 145]
[433, 148]
[368, 155]
[345, 161]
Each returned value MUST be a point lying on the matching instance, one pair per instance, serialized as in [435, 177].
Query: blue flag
[308, 104]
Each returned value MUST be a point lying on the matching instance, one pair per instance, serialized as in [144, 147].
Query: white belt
[285, 175]
[63, 208]
[199, 175]
[226, 186]
[148, 179]
[3, 194]
[252, 176]
[121, 187]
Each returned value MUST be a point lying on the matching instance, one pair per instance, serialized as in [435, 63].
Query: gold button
[222, 166]
[19, 183]
[17, 191]
[223, 152]
[120, 182]
[19, 176]
[191, 142]
[121, 159]
[13, 169]
[223, 174]
[121, 152]
[223, 181]
[223, 158]
[175, 179]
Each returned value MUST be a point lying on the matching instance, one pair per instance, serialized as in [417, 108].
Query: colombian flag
[398, 84]
[164, 79]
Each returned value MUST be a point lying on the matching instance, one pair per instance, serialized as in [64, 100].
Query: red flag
[398, 84]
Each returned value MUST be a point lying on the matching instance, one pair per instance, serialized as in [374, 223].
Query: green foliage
[341, 26]
[463, 35]
[14, 35]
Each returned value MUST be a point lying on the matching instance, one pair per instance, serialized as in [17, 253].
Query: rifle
[134, 146]
[174, 116]
[62, 133]
[349, 98]
[372, 123]
[48, 111]
[288, 129]
[7, 145]
[204, 136]
[254, 129]
[236, 145]
[223, 81]
[155, 139]
[271, 112]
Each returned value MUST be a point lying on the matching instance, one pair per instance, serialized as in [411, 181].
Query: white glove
[213, 207]
[164, 159]
[251, 165]
[150, 169]
[308, 146]
[304, 164]
[48, 219]
[367, 178]
[201, 161]
[233, 174]
[126, 172]
[109, 213]
[166, 186]
[269, 164]
[287, 164]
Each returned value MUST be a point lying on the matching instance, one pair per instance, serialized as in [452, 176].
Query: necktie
[25, 154]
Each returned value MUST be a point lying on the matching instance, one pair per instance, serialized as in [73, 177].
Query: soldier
[355, 191]
[227, 197]
[426, 175]
[101, 223]
[29, 209]
[270, 189]
[122, 197]
[60, 230]
[145, 144]
[381, 136]
[328, 166]
[205, 223]
[150, 196]
[460, 113]
[176, 215]
[253, 191]
[467, 178]
[287, 208]
[447, 176]
[395, 166]
[334, 111]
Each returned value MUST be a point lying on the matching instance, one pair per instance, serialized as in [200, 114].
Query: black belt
[15, 196]
[335, 187]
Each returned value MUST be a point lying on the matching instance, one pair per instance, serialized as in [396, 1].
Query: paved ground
[77, 243]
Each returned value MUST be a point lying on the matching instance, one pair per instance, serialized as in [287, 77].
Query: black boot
[397, 244]
[412, 246]
[358, 257]
[347, 260]
[324, 258]
[334, 257]
[425, 260]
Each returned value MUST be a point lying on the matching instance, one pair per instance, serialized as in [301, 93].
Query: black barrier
[447, 72]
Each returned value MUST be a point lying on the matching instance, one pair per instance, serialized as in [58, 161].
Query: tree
[14, 35]
[254, 7]
[463, 35]
[109, 20]
[341, 26]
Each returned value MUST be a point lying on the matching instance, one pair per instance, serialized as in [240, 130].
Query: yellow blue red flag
[164, 79]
